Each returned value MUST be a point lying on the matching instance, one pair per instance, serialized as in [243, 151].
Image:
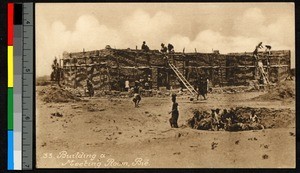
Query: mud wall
[108, 68]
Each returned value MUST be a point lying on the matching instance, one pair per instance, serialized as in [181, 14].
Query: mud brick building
[108, 68]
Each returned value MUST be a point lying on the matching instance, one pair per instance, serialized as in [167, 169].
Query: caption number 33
[47, 155]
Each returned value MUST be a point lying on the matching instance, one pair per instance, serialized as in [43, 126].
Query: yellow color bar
[10, 63]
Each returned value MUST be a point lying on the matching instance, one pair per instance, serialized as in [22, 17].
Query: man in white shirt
[127, 85]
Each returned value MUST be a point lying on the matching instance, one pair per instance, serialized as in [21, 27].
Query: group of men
[260, 46]
[164, 49]
[223, 120]
[144, 82]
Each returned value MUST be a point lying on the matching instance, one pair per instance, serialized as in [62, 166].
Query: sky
[227, 27]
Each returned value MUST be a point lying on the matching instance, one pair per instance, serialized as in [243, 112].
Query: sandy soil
[102, 133]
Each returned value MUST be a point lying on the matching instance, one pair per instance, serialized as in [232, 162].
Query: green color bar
[10, 108]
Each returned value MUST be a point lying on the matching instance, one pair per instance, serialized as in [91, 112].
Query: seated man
[214, 120]
[163, 49]
[253, 117]
[171, 48]
[145, 47]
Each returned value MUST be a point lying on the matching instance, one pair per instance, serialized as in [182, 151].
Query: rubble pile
[241, 118]
[43, 81]
[283, 91]
[57, 94]
[233, 89]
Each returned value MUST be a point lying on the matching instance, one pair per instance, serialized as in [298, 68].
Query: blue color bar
[10, 151]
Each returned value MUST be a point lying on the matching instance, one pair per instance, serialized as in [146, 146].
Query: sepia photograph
[165, 85]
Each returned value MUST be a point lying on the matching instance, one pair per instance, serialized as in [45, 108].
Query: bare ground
[120, 135]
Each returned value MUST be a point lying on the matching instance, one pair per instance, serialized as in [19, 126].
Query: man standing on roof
[255, 52]
[268, 49]
[260, 64]
[255, 55]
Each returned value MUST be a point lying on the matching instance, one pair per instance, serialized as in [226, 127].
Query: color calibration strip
[14, 86]
[10, 81]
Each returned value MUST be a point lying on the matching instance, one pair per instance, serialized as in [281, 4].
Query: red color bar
[10, 24]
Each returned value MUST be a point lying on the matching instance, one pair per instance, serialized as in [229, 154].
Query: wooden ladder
[186, 83]
[264, 75]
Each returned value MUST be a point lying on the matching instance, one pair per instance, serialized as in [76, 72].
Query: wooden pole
[75, 80]
[86, 70]
[220, 74]
[60, 71]
[119, 78]
[168, 80]
[108, 79]
[211, 70]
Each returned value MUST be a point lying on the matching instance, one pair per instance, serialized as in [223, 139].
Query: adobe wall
[108, 67]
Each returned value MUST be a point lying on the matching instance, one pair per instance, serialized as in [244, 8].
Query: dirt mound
[57, 94]
[43, 81]
[233, 89]
[283, 91]
[239, 119]
[269, 118]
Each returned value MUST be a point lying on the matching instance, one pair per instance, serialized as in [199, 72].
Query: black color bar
[18, 13]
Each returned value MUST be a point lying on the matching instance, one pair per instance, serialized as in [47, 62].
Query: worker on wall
[170, 48]
[263, 76]
[163, 48]
[145, 47]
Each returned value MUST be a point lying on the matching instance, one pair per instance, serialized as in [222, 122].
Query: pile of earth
[240, 119]
[57, 94]
[43, 81]
[283, 91]
[233, 89]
